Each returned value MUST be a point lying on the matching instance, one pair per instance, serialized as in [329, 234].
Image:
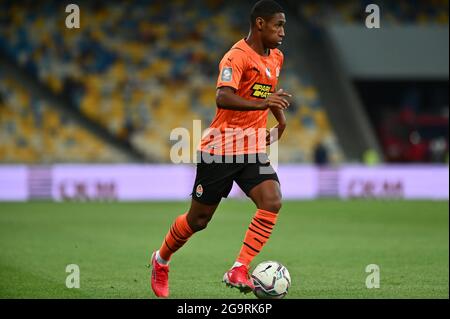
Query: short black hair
[264, 9]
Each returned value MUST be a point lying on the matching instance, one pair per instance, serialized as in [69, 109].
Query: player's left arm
[274, 134]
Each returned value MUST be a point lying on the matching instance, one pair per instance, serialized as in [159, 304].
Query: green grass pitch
[325, 244]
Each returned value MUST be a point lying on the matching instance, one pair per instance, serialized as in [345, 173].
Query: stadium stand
[137, 75]
[31, 131]
[417, 12]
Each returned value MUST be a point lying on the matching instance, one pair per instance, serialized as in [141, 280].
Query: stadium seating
[33, 132]
[133, 73]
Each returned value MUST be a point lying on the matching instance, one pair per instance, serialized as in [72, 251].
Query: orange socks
[177, 236]
[257, 235]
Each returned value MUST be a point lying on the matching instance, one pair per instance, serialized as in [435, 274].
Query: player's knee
[272, 204]
[199, 224]
[275, 205]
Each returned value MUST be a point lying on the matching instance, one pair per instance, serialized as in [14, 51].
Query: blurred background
[112, 90]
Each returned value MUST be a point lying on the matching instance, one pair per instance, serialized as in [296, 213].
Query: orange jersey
[253, 77]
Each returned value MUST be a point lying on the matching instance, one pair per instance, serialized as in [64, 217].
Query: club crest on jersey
[268, 73]
[199, 190]
[226, 74]
[261, 90]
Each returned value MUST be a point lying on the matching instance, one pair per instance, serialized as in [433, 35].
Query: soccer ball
[271, 280]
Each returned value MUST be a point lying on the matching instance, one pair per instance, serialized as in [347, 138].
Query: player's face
[273, 31]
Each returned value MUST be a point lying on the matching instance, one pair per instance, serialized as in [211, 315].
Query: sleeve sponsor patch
[226, 74]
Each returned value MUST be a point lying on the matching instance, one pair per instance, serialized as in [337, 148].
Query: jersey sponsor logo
[226, 74]
[261, 90]
[199, 190]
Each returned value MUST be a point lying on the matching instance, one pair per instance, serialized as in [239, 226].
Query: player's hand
[277, 100]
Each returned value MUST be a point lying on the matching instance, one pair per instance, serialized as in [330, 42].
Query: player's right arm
[227, 99]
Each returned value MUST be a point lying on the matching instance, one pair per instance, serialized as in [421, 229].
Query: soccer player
[246, 91]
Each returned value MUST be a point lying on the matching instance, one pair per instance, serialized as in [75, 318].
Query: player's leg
[264, 190]
[179, 233]
[183, 228]
[200, 214]
[267, 198]
[213, 181]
